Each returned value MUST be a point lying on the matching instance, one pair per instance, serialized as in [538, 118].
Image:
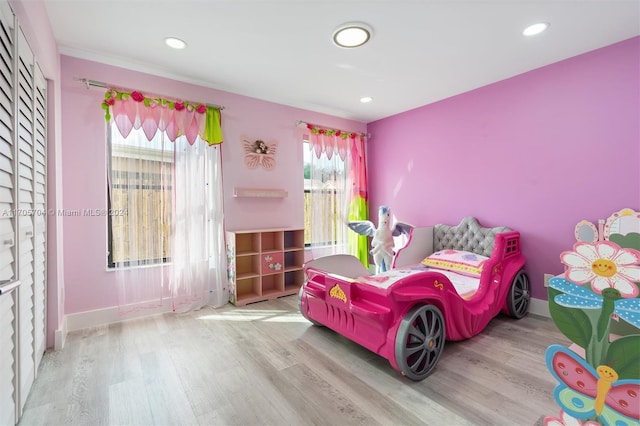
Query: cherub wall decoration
[259, 153]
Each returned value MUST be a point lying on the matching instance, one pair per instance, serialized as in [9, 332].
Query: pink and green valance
[332, 141]
[133, 110]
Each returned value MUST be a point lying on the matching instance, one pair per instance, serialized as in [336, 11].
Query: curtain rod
[93, 83]
[300, 122]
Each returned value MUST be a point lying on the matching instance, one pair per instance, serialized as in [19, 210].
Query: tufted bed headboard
[468, 236]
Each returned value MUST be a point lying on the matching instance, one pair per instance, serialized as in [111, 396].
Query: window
[324, 199]
[140, 179]
[165, 192]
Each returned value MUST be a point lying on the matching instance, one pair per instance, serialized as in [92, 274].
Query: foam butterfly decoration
[584, 392]
[576, 296]
[259, 153]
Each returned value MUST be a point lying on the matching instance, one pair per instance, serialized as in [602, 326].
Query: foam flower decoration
[605, 265]
[567, 420]
[137, 96]
[332, 132]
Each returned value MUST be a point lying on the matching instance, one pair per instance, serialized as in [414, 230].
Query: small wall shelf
[259, 193]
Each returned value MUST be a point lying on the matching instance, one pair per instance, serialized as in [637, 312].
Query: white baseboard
[60, 336]
[539, 307]
[81, 320]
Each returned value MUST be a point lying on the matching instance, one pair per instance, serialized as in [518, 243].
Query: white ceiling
[281, 51]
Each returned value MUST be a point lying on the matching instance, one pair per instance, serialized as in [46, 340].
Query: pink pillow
[461, 262]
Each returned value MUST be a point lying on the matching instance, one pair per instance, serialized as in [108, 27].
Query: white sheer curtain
[167, 225]
[198, 252]
[328, 203]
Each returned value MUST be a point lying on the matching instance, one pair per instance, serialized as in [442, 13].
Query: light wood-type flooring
[263, 364]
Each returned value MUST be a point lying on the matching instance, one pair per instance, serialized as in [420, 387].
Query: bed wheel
[300, 296]
[519, 295]
[419, 342]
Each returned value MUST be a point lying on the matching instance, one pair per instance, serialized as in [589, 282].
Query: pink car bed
[448, 282]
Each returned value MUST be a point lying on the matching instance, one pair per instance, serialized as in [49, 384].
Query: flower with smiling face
[605, 265]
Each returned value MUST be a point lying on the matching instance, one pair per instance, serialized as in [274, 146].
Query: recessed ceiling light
[366, 99]
[352, 35]
[535, 29]
[175, 43]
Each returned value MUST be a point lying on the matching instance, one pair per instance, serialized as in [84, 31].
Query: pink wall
[89, 285]
[538, 152]
[545, 130]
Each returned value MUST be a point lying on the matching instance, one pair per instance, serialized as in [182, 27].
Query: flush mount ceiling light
[175, 43]
[350, 35]
[366, 99]
[534, 29]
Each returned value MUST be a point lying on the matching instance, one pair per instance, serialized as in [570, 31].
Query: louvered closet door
[40, 218]
[26, 293]
[7, 264]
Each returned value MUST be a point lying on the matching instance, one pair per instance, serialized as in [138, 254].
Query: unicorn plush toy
[382, 242]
